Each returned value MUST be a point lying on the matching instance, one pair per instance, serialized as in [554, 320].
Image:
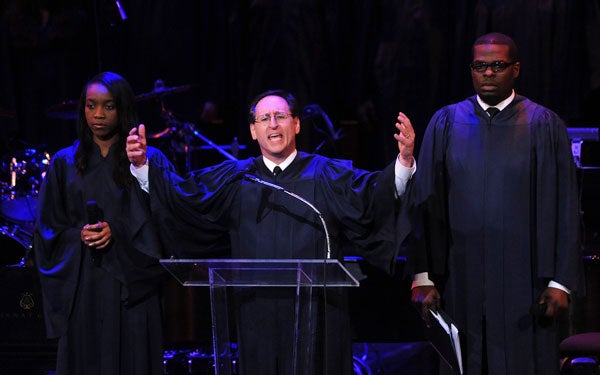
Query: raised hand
[136, 146]
[406, 140]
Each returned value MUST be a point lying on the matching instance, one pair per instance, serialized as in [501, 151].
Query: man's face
[493, 87]
[274, 128]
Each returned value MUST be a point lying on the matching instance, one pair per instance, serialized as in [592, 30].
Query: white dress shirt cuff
[141, 175]
[554, 284]
[421, 279]
[403, 174]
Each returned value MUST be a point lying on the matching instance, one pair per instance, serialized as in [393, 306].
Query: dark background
[360, 61]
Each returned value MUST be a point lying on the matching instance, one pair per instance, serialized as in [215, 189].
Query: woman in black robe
[98, 270]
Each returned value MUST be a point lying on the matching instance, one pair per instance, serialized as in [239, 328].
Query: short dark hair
[498, 38]
[288, 97]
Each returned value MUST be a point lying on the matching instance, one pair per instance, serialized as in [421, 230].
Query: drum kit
[22, 173]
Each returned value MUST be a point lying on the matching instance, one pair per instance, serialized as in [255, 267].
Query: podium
[299, 275]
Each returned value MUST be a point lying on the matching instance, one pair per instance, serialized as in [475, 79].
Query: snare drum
[15, 244]
[22, 175]
[19, 209]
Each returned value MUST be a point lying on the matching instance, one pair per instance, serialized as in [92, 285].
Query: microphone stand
[189, 127]
[294, 195]
[255, 179]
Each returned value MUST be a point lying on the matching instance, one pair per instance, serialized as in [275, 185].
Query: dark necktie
[492, 111]
[276, 170]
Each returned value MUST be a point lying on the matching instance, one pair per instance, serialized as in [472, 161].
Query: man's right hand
[136, 146]
[425, 298]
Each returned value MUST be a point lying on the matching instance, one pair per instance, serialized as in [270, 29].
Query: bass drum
[15, 245]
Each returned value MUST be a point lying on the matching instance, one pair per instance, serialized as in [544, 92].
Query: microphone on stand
[94, 215]
[239, 175]
[252, 178]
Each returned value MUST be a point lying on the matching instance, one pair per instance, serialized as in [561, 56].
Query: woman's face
[101, 112]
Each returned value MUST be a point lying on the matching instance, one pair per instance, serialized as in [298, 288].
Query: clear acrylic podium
[301, 274]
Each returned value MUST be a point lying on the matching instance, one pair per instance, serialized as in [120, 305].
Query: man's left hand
[406, 140]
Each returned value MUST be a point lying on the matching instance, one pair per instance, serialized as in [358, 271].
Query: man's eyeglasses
[497, 66]
[279, 117]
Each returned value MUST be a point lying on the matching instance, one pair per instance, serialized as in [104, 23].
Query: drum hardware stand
[189, 131]
[13, 233]
[13, 172]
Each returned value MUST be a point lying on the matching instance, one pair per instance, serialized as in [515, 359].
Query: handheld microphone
[252, 178]
[94, 215]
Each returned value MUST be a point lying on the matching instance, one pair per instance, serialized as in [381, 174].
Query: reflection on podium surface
[383, 321]
[271, 310]
[380, 309]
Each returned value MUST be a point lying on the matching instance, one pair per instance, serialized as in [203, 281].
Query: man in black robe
[498, 220]
[261, 222]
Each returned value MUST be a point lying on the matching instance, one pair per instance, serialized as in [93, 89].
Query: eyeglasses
[279, 117]
[497, 66]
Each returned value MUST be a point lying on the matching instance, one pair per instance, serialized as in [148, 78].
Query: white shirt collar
[500, 105]
[283, 165]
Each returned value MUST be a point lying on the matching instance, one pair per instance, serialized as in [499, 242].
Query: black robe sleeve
[57, 248]
[139, 260]
[366, 206]
[193, 213]
[430, 238]
[558, 225]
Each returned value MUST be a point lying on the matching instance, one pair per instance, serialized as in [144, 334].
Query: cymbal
[66, 110]
[161, 90]
[6, 113]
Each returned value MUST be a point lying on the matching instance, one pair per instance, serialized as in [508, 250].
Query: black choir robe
[499, 216]
[214, 208]
[108, 318]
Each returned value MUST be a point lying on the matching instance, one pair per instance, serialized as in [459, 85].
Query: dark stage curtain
[361, 61]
